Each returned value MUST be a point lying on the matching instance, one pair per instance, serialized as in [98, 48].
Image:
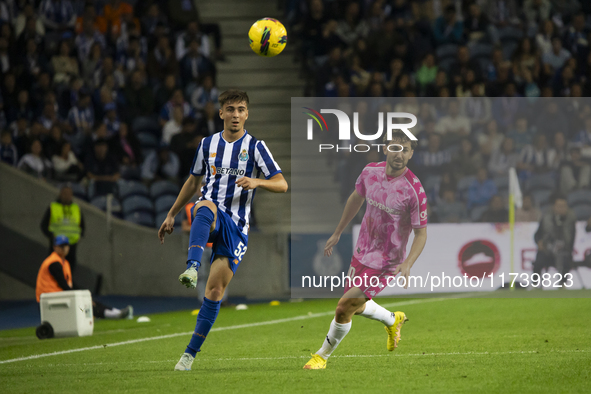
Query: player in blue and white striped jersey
[231, 162]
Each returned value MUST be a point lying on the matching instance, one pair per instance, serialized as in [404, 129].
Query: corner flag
[515, 200]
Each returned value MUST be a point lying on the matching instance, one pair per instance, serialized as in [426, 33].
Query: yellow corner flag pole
[515, 199]
[512, 232]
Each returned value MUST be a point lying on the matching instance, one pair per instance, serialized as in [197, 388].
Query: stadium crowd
[498, 68]
[105, 92]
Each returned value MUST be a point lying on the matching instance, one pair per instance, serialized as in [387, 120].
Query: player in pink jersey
[396, 204]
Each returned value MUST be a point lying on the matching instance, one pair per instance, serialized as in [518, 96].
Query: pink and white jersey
[394, 207]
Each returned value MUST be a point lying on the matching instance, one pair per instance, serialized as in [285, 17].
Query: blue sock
[205, 319]
[199, 235]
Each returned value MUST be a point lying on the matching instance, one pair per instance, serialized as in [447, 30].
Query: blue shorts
[227, 240]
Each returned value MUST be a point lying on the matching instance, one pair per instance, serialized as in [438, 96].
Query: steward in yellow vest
[64, 217]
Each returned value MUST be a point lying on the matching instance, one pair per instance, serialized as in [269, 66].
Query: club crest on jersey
[243, 156]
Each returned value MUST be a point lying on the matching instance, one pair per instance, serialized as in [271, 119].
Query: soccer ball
[267, 37]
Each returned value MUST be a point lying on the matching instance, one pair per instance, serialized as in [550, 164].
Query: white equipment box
[68, 312]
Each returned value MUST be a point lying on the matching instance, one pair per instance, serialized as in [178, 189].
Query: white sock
[335, 335]
[113, 313]
[375, 312]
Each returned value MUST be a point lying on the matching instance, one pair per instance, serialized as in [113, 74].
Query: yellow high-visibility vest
[65, 220]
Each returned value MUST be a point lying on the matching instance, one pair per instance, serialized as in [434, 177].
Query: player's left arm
[275, 184]
[415, 251]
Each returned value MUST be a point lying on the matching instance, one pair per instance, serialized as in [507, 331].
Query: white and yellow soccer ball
[267, 37]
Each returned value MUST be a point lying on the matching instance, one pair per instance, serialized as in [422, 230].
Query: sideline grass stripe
[235, 327]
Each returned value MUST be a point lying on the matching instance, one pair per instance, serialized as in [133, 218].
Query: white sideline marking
[203, 359]
[178, 334]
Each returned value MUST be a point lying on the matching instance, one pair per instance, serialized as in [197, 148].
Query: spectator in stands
[173, 125]
[464, 64]
[161, 60]
[165, 91]
[502, 12]
[449, 209]
[448, 29]
[177, 100]
[138, 97]
[522, 134]
[66, 166]
[537, 157]
[127, 151]
[91, 63]
[81, 115]
[161, 165]
[100, 22]
[111, 119]
[64, 66]
[496, 212]
[583, 137]
[481, 190]
[536, 13]
[185, 143]
[467, 161]
[528, 211]
[574, 173]
[433, 160]
[210, 123]
[204, 94]
[8, 152]
[194, 65]
[55, 274]
[6, 59]
[23, 18]
[64, 217]
[559, 145]
[554, 59]
[153, 18]
[90, 35]
[102, 169]
[476, 24]
[453, 126]
[576, 38]
[192, 33]
[353, 26]
[428, 72]
[34, 163]
[22, 109]
[555, 237]
[57, 14]
[544, 36]
[490, 140]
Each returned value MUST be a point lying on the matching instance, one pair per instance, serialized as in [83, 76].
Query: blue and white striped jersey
[223, 162]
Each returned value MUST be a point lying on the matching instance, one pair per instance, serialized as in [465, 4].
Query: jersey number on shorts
[240, 250]
[351, 272]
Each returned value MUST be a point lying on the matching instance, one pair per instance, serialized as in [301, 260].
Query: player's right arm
[191, 186]
[354, 204]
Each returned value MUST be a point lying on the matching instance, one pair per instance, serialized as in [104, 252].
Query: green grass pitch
[455, 345]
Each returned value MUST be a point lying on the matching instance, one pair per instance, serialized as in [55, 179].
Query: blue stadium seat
[141, 218]
[101, 203]
[164, 203]
[161, 188]
[541, 182]
[582, 211]
[132, 188]
[579, 197]
[137, 204]
[147, 140]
